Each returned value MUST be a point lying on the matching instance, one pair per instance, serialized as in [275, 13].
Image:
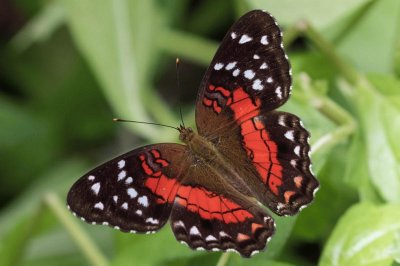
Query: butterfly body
[245, 153]
[203, 154]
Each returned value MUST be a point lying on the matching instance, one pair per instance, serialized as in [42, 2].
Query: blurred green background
[67, 67]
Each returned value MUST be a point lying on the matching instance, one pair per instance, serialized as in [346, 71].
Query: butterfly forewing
[133, 192]
[250, 63]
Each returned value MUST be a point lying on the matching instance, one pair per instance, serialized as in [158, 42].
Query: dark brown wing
[250, 61]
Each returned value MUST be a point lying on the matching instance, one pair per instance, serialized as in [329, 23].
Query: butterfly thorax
[198, 145]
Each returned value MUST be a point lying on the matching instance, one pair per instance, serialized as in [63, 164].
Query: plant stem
[223, 260]
[332, 111]
[89, 249]
[347, 70]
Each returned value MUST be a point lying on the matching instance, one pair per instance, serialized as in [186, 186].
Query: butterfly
[245, 155]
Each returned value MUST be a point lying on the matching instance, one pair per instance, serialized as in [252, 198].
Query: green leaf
[380, 121]
[357, 174]
[149, 250]
[370, 44]
[41, 27]
[388, 85]
[365, 235]
[289, 12]
[117, 39]
[317, 221]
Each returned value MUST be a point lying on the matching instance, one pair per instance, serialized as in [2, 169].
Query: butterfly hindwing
[219, 219]
[278, 148]
[133, 192]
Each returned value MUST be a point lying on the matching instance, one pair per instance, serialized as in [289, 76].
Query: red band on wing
[259, 147]
[211, 206]
[262, 150]
[161, 185]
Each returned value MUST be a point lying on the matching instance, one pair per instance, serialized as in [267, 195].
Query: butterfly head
[186, 134]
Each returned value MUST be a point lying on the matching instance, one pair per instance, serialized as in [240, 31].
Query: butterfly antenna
[180, 111]
[146, 123]
[177, 63]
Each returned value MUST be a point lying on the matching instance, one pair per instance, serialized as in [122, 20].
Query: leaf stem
[223, 260]
[333, 111]
[347, 70]
[89, 249]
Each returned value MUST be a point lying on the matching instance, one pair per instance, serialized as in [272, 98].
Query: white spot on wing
[105, 223]
[223, 234]
[121, 164]
[129, 180]
[91, 177]
[211, 238]
[233, 35]
[257, 85]
[256, 56]
[269, 80]
[245, 38]
[249, 74]
[230, 65]
[218, 66]
[264, 66]
[124, 206]
[132, 192]
[152, 220]
[115, 198]
[264, 40]
[280, 206]
[139, 212]
[99, 205]
[95, 188]
[179, 224]
[143, 201]
[236, 72]
[278, 92]
[194, 231]
[281, 121]
[200, 248]
[254, 252]
[121, 175]
[297, 150]
[232, 250]
[315, 191]
[289, 135]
